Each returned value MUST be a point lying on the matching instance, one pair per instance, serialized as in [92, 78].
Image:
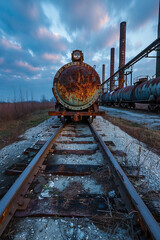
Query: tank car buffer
[76, 87]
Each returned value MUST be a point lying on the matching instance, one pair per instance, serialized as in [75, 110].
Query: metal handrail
[137, 58]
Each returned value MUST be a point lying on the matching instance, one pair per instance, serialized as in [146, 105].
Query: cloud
[19, 17]
[27, 66]
[91, 14]
[1, 60]
[9, 44]
[108, 37]
[48, 40]
[37, 37]
[51, 57]
[137, 13]
[44, 33]
[140, 18]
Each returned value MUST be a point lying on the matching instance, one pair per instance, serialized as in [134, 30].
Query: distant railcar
[144, 91]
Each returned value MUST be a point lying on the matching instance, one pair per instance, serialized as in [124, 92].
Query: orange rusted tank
[76, 85]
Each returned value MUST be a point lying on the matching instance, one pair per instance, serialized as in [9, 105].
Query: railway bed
[73, 179]
[142, 117]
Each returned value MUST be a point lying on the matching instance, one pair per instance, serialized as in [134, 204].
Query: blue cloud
[32, 50]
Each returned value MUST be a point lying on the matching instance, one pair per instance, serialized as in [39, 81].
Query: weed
[11, 129]
[16, 110]
[148, 136]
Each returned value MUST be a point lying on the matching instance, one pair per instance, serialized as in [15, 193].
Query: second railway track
[74, 179]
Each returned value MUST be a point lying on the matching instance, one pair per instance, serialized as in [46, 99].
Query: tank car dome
[76, 85]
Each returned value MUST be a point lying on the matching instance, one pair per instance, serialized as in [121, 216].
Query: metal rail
[144, 216]
[137, 58]
[11, 200]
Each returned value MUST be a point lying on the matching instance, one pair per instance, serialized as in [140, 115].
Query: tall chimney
[112, 81]
[103, 77]
[122, 50]
[158, 50]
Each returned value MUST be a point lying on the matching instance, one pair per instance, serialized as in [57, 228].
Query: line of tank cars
[143, 91]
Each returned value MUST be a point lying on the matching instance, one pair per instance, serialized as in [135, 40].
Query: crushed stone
[137, 153]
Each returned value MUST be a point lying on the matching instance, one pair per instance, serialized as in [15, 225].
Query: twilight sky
[38, 36]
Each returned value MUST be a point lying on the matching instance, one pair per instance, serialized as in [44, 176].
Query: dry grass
[116, 217]
[150, 137]
[12, 111]
[112, 225]
[11, 129]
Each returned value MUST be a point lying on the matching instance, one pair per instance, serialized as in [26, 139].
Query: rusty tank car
[76, 87]
[143, 91]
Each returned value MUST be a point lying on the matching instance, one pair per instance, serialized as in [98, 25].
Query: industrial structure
[143, 90]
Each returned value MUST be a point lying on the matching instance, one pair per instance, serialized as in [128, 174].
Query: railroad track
[74, 175]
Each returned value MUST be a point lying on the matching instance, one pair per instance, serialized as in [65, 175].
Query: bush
[12, 111]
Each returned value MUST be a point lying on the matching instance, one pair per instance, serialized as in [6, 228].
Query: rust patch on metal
[76, 135]
[30, 150]
[76, 142]
[109, 143]
[79, 206]
[23, 203]
[84, 114]
[76, 85]
[118, 153]
[16, 169]
[40, 142]
[3, 215]
[71, 169]
[77, 152]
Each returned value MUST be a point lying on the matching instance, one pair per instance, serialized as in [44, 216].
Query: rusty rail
[13, 199]
[134, 203]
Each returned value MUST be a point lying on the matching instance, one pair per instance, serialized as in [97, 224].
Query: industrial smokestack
[158, 50]
[103, 77]
[122, 50]
[112, 82]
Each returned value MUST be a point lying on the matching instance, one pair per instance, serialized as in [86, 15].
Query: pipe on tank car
[112, 81]
[122, 50]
